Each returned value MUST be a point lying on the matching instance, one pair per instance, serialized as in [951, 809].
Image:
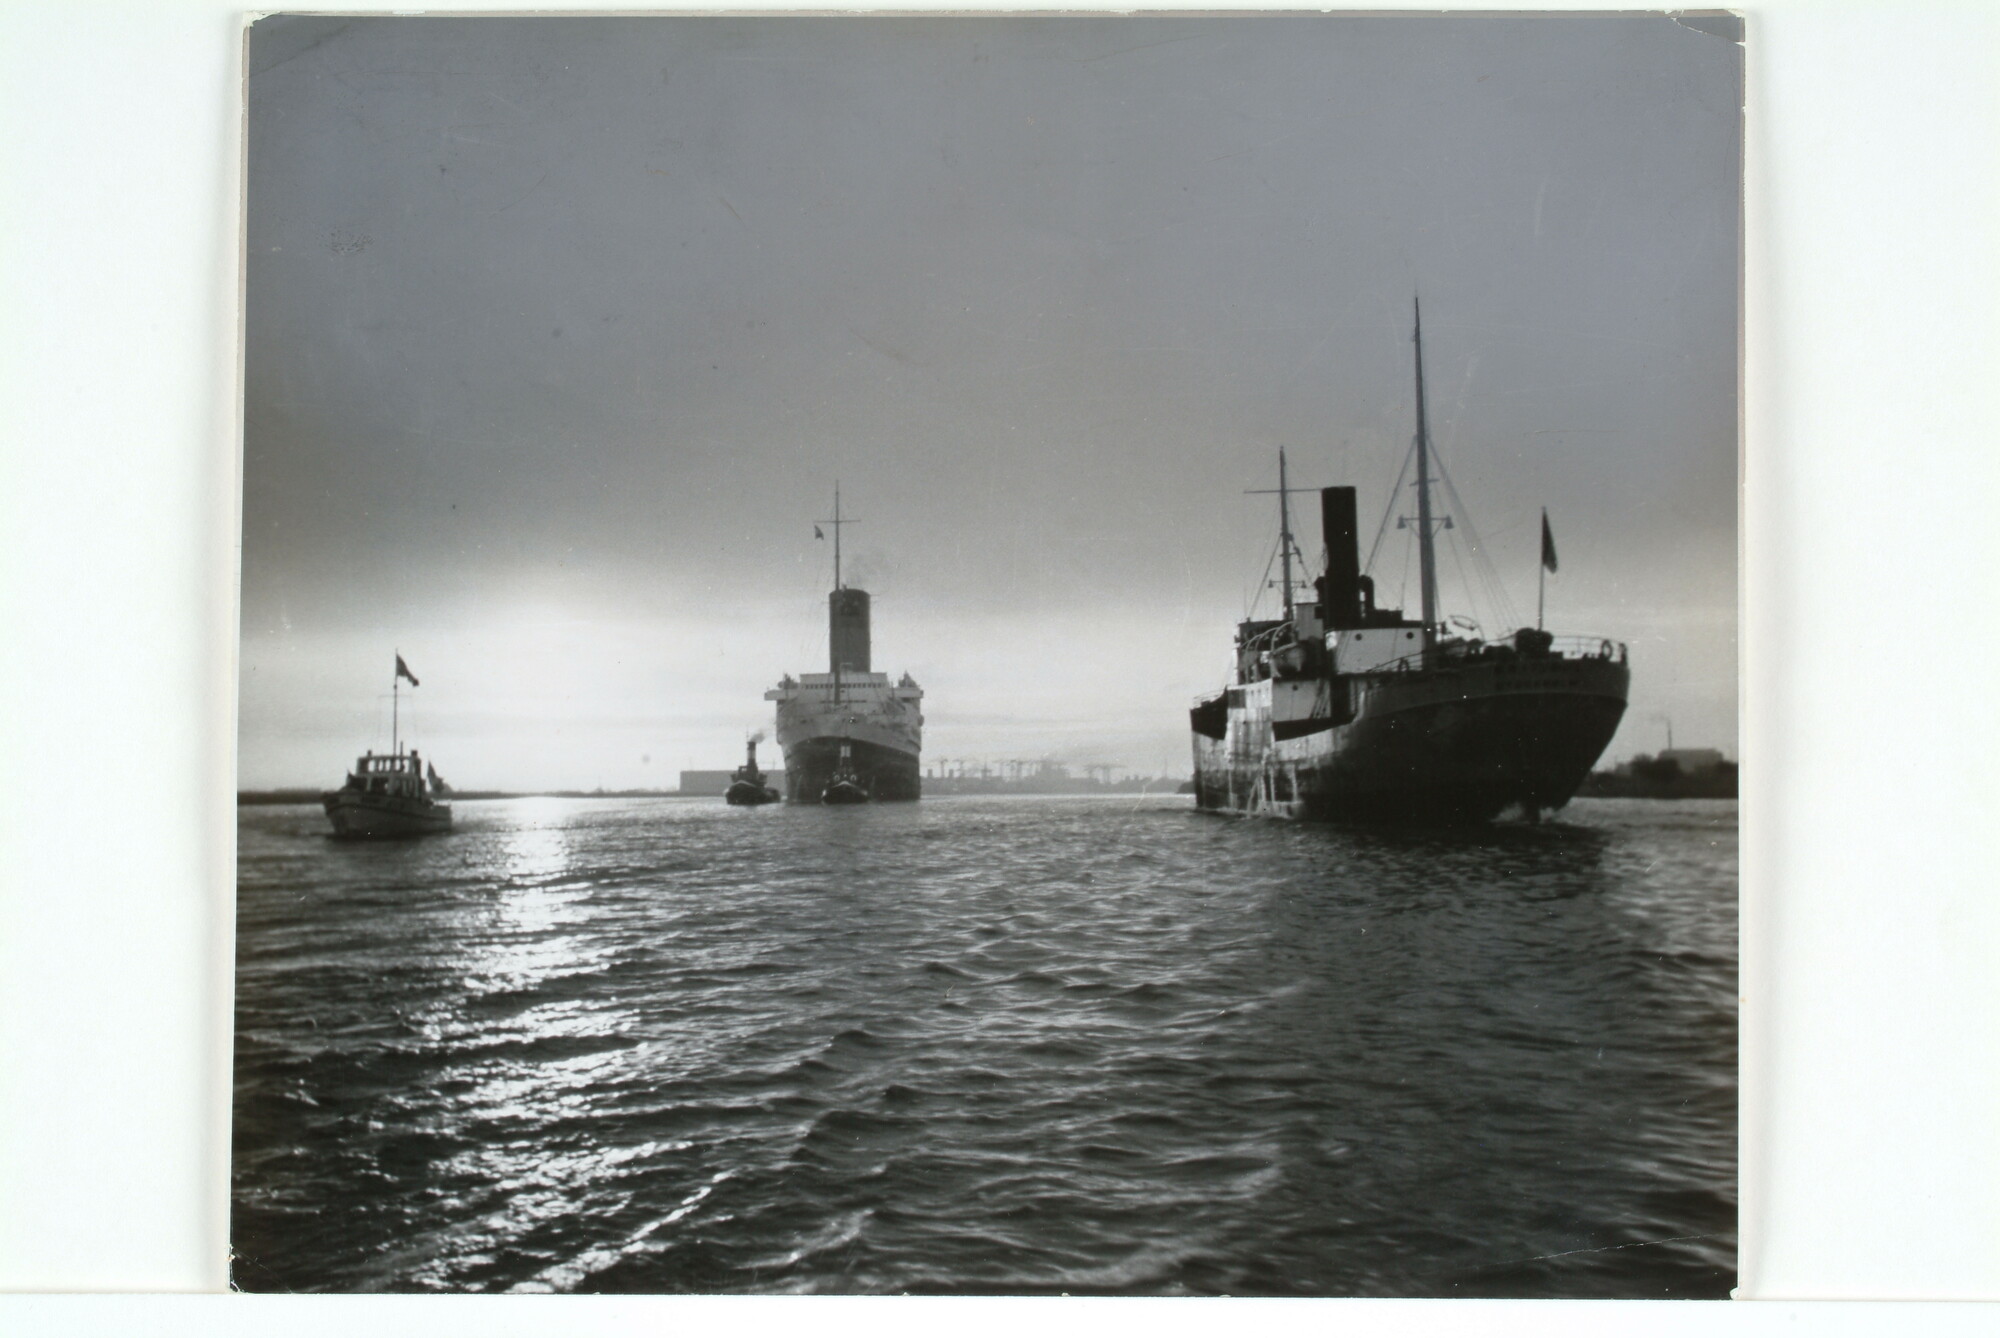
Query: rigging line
[1395, 494]
[1263, 584]
[1482, 560]
[1495, 588]
[1403, 582]
[1502, 603]
[1477, 594]
[1298, 556]
[1464, 578]
[1482, 564]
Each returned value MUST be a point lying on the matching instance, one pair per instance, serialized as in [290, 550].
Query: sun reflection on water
[537, 841]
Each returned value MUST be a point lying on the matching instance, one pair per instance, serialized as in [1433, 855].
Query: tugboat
[1344, 711]
[747, 785]
[845, 785]
[392, 795]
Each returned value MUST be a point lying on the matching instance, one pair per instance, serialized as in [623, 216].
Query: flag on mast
[1548, 543]
[403, 671]
[817, 534]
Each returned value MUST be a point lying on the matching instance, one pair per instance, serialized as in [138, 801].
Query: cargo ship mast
[1286, 544]
[1284, 534]
[1426, 550]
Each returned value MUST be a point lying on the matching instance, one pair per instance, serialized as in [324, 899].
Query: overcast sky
[560, 331]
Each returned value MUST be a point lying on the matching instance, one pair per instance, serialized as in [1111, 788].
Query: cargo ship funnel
[1340, 588]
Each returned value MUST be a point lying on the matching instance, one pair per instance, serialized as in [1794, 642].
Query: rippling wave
[987, 1045]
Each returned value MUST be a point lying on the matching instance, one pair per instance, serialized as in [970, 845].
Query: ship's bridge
[828, 686]
[388, 773]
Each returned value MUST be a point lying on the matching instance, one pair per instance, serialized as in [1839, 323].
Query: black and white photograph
[989, 654]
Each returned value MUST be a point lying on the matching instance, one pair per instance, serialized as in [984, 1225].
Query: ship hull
[359, 815]
[879, 722]
[749, 794]
[1443, 746]
[888, 775]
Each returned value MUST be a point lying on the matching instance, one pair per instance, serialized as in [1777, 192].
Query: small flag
[1548, 544]
[403, 671]
[817, 534]
[437, 781]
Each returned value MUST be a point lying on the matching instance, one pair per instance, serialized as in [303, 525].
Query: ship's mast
[837, 521]
[395, 704]
[1285, 541]
[838, 585]
[1426, 553]
[1284, 534]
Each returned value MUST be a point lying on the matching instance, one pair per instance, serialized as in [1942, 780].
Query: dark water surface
[987, 1045]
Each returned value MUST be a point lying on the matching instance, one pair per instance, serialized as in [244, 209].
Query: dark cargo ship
[1344, 711]
[849, 735]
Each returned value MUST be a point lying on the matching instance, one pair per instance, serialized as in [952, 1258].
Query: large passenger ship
[849, 735]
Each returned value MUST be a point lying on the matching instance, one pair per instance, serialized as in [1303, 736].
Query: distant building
[1674, 773]
[716, 782]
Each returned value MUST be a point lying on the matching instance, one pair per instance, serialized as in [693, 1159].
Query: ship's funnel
[1340, 588]
[847, 631]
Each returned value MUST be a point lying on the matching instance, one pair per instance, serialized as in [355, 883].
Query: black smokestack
[847, 630]
[1340, 588]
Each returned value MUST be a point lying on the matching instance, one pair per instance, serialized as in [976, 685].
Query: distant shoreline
[247, 798]
[259, 798]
